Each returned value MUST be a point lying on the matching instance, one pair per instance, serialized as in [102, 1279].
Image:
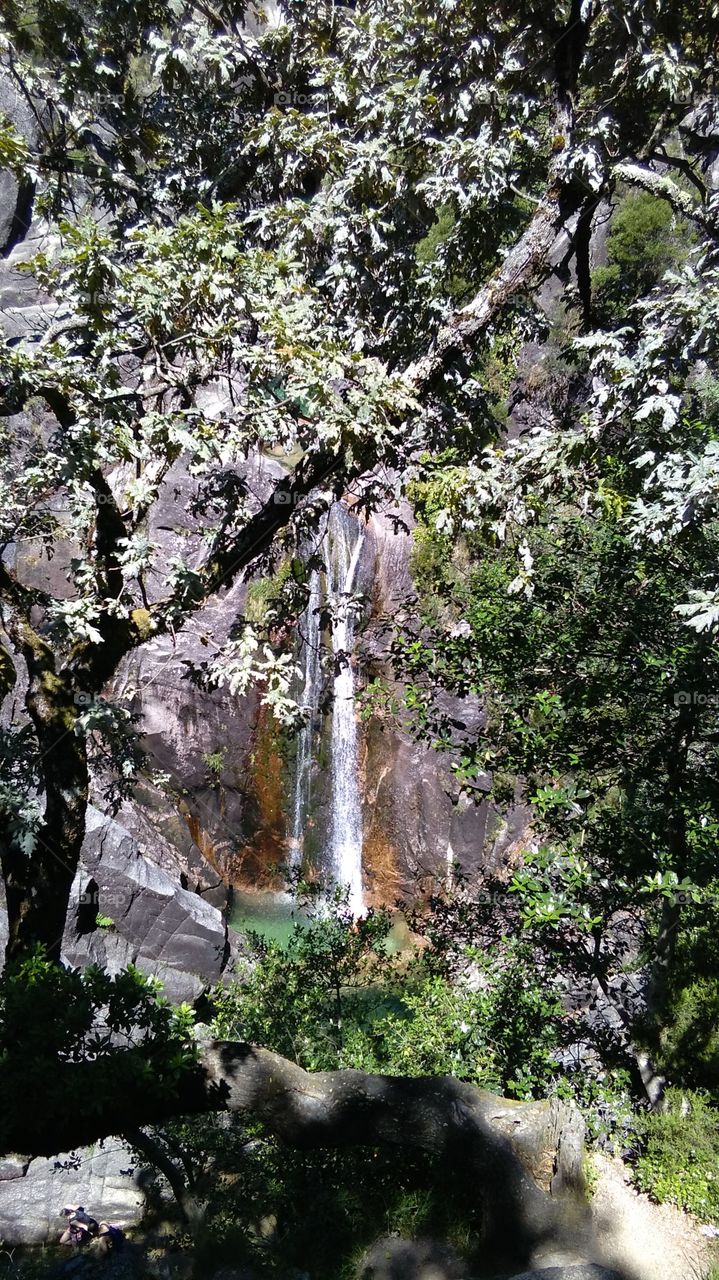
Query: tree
[587, 620]
[266, 206]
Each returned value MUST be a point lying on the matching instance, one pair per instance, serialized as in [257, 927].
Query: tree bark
[38, 886]
[524, 265]
[661, 186]
[521, 1155]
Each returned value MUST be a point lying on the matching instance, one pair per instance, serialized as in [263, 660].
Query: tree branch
[527, 262]
[521, 1155]
[155, 1153]
[658, 184]
[682, 164]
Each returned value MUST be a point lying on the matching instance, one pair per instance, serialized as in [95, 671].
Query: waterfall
[343, 545]
[310, 664]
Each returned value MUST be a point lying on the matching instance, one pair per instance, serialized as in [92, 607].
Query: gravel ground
[646, 1241]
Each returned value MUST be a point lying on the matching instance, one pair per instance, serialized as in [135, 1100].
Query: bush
[285, 1211]
[644, 241]
[55, 1021]
[333, 996]
[679, 1163]
[686, 1040]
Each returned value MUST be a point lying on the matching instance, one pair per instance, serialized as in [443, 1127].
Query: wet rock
[419, 820]
[182, 724]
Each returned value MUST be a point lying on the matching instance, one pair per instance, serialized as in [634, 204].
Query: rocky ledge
[146, 918]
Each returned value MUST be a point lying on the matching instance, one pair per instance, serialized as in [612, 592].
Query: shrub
[644, 241]
[679, 1163]
[687, 1037]
[333, 996]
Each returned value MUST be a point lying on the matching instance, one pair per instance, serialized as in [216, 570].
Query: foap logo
[689, 698]
[683, 94]
[492, 898]
[695, 895]
[63, 505]
[107, 102]
[290, 98]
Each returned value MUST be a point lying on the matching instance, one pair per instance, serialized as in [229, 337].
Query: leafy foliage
[644, 241]
[689, 1042]
[336, 995]
[678, 1164]
[282, 1209]
[596, 695]
[60, 1027]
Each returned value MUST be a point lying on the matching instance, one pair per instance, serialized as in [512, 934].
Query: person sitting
[81, 1227]
[110, 1238]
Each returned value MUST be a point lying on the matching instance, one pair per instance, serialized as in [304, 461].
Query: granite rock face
[161, 829]
[15, 196]
[165, 930]
[105, 1179]
[418, 821]
[183, 724]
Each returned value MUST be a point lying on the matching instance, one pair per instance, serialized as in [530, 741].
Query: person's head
[70, 1209]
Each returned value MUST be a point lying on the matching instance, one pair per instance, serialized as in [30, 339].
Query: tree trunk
[38, 885]
[153, 1151]
[521, 1156]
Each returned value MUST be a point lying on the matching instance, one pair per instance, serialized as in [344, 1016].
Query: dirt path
[646, 1241]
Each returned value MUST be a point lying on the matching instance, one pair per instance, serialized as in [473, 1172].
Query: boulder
[165, 930]
[392, 1258]
[104, 1178]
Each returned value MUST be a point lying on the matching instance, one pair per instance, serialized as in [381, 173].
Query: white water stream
[311, 680]
[343, 547]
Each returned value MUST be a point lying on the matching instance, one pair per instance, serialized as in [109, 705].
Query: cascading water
[343, 546]
[311, 677]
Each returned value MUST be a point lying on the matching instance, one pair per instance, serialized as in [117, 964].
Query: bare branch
[658, 184]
